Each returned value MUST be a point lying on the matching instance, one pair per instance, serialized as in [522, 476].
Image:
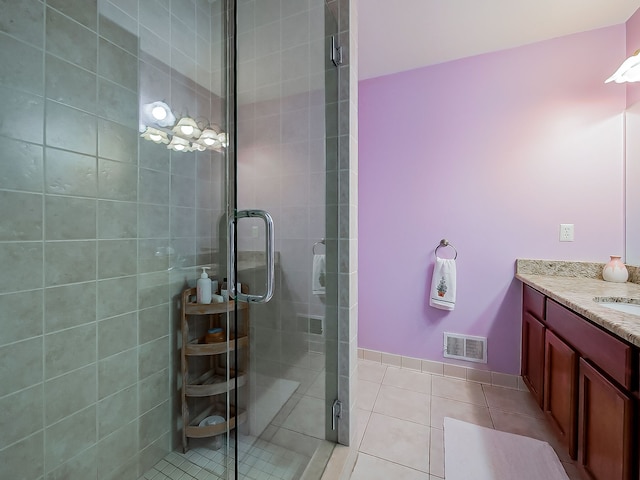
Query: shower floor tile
[259, 460]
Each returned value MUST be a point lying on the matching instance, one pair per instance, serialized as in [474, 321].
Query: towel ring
[321, 242]
[445, 243]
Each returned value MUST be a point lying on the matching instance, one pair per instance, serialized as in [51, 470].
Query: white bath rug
[480, 453]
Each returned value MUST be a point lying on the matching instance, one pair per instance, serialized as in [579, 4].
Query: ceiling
[401, 35]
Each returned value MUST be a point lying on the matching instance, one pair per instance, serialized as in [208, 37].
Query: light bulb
[159, 113]
[155, 135]
[178, 144]
[209, 141]
[187, 130]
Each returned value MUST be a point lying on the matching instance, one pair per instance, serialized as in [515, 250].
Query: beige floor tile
[408, 379]
[371, 371]
[529, 427]
[401, 412]
[367, 393]
[468, 412]
[404, 404]
[459, 390]
[436, 453]
[373, 468]
[398, 441]
[362, 419]
[514, 401]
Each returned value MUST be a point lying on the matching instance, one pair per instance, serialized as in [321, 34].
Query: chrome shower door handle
[270, 255]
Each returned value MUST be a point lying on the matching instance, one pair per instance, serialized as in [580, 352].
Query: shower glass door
[283, 158]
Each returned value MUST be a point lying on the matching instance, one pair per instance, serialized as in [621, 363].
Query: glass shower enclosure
[140, 141]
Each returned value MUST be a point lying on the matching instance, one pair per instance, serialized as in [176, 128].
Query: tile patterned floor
[400, 420]
[400, 435]
[261, 460]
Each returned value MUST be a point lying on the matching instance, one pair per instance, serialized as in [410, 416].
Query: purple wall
[492, 152]
[633, 44]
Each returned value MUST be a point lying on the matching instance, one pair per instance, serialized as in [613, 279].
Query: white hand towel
[443, 284]
[318, 273]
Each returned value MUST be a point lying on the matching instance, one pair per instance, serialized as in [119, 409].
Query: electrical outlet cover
[566, 232]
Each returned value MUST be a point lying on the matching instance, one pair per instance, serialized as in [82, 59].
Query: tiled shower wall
[346, 12]
[100, 229]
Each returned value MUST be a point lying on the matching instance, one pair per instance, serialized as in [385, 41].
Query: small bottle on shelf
[203, 287]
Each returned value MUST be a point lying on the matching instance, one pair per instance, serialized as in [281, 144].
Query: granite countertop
[575, 284]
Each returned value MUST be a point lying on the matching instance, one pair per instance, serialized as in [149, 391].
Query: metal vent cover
[465, 347]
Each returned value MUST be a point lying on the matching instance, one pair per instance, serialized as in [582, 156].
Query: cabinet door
[560, 385]
[606, 416]
[533, 355]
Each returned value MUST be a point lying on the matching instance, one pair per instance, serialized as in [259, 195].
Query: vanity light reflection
[158, 124]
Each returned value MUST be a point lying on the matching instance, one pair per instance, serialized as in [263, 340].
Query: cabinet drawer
[533, 302]
[612, 355]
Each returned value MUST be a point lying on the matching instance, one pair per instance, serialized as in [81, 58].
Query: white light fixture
[178, 144]
[209, 136]
[155, 135]
[187, 127]
[158, 114]
[629, 71]
[158, 124]
[197, 147]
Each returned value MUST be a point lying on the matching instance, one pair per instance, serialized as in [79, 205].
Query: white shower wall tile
[153, 44]
[25, 409]
[116, 411]
[128, 7]
[155, 17]
[185, 10]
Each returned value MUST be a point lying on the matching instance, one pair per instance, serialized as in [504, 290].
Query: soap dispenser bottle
[203, 287]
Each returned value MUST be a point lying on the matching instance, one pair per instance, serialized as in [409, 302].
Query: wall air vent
[312, 323]
[465, 347]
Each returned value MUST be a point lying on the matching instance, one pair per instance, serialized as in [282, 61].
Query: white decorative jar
[615, 270]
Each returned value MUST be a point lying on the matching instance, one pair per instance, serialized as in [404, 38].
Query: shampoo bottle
[203, 287]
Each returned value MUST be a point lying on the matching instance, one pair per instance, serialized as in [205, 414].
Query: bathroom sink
[621, 304]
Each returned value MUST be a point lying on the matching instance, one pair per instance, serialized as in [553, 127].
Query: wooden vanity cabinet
[590, 388]
[533, 333]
